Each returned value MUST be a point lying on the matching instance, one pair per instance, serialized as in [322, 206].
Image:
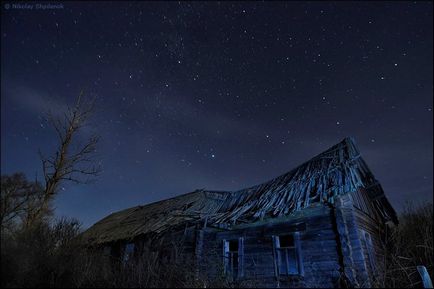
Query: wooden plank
[241, 257]
[299, 253]
[426, 280]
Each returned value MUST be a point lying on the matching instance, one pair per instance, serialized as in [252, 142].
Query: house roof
[336, 171]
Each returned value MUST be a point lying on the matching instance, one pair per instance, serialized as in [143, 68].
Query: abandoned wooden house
[319, 224]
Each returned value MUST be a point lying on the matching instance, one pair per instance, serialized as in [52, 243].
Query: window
[107, 251]
[128, 252]
[233, 251]
[287, 255]
[370, 250]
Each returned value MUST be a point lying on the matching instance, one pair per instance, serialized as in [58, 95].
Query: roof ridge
[346, 142]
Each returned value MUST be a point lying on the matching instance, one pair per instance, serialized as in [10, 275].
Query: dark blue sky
[219, 95]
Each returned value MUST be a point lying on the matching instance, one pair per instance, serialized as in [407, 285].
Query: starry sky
[219, 95]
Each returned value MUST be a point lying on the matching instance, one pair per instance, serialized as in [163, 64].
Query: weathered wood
[325, 204]
[426, 279]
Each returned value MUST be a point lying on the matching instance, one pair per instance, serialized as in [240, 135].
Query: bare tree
[71, 161]
[20, 199]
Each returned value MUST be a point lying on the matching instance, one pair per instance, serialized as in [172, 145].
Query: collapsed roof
[336, 171]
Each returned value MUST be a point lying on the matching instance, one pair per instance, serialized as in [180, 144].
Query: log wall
[318, 245]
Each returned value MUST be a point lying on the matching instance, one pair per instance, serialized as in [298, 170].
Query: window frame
[370, 249]
[228, 258]
[297, 252]
[128, 252]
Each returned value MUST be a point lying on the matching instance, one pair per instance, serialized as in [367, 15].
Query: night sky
[220, 96]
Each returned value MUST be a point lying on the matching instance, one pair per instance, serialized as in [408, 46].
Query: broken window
[287, 254]
[128, 252]
[233, 251]
[370, 250]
